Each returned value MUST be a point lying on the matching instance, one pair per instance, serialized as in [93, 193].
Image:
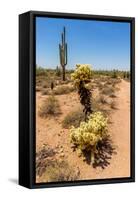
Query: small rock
[61, 150]
[62, 155]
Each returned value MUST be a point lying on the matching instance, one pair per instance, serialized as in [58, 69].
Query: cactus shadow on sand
[105, 150]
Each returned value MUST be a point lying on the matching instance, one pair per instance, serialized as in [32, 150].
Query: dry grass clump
[43, 159]
[45, 92]
[113, 105]
[59, 171]
[45, 85]
[100, 86]
[51, 169]
[102, 99]
[112, 95]
[64, 89]
[73, 118]
[107, 90]
[50, 107]
[99, 106]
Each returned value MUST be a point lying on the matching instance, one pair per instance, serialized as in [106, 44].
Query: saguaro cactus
[63, 52]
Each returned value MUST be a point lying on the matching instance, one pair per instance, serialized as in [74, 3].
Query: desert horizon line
[73, 68]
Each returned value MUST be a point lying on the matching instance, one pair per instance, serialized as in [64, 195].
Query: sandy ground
[51, 132]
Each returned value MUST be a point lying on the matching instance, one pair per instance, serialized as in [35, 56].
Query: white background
[9, 11]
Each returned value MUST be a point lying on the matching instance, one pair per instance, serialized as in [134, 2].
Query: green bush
[50, 107]
[73, 118]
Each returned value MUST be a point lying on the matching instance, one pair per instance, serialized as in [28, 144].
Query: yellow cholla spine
[89, 133]
[83, 72]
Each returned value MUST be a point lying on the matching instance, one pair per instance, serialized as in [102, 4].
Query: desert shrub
[116, 81]
[98, 107]
[45, 92]
[107, 90]
[58, 71]
[100, 85]
[45, 85]
[41, 71]
[43, 159]
[112, 95]
[50, 107]
[87, 136]
[102, 99]
[64, 89]
[113, 105]
[60, 171]
[73, 118]
[114, 74]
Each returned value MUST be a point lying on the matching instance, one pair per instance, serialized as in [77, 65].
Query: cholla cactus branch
[81, 76]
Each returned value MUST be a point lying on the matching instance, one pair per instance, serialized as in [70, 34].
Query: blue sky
[104, 45]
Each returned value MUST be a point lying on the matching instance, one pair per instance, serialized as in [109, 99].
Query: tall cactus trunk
[63, 53]
[63, 75]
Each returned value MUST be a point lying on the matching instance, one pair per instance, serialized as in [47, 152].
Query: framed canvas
[76, 99]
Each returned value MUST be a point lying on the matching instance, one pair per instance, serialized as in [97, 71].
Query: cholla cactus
[83, 73]
[81, 76]
[87, 136]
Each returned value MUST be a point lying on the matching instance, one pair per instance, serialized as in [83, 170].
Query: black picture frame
[27, 124]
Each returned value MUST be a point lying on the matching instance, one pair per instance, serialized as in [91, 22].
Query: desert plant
[43, 158]
[102, 99]
[113, 105]
[58, 72]
[60, 171]
[45, 92]
[87, 136]
[81, 77]
[73, 118]
[50, 107]
[108, 90]
[63, 52]
[128, 75]
[52, 85]
[112, 95]
[41, 71]
[64, 89]
[114, 74]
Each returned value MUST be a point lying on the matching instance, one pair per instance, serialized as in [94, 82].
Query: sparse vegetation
[45, 92]
[59, 171]
[113, 105]
[74, 118]
[49, 168]
[88, 140]
[64, 89]
[107, 91]
[50, 107]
